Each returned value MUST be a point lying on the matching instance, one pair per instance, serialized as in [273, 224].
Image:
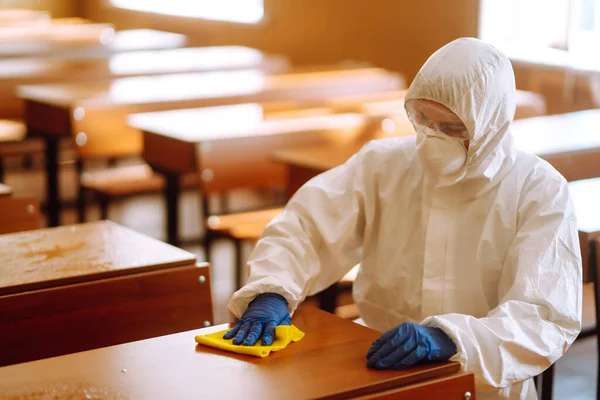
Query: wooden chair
[121, 182]
[586, 197]
[248, 227]
[19, 214]
[240, 227]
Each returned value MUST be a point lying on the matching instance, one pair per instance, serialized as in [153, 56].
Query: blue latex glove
[409, 344]
[264, 313]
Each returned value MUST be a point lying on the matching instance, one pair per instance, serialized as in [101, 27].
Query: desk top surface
[22, 16]
[240, 120]
[79, 253]
[105, 43]
[195, 86]
[133, 63]
[330, 360]
[546, 136]
[586, 196]
[554, 135]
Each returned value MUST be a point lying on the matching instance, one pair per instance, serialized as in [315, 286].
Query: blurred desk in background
[95, 114]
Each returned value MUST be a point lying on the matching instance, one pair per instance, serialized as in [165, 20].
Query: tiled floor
[575, 372]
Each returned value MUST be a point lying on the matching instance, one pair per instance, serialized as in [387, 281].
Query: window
[244, 11]
[570, 25]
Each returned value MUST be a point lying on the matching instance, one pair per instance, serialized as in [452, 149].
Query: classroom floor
[575, 372]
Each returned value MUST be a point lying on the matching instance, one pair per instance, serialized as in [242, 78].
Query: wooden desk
[59, 35]
[528, 105]
[570, 142]
[55, 111]
[229, 146]
[567, 141]
[22, 16]
[328, 363]
[30, 71]
[128, 40]
[86, 286]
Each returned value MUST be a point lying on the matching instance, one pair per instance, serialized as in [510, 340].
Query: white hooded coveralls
[490, 255]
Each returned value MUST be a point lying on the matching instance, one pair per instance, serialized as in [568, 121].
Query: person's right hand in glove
[264, 313]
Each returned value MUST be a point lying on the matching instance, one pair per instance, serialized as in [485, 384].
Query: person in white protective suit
[468, 247]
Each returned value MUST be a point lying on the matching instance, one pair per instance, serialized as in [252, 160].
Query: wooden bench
[329, 362]
[80, 287]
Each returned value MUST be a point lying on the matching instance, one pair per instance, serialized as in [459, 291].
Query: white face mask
[440, 154]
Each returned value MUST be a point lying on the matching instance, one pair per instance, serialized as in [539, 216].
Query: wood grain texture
[80, 253]
[328, 363]
[71, 318]
[453, 387]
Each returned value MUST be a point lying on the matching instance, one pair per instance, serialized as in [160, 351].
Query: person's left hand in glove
[409, 344]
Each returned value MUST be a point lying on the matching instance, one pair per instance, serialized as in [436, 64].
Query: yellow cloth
[284, 334]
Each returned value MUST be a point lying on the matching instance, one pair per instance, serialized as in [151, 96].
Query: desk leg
[172, 191]
[52, 188]
[328, 298]
[238, 263]
[593, 273]
[81, 203]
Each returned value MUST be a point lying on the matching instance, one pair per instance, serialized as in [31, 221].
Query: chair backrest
[19, 214]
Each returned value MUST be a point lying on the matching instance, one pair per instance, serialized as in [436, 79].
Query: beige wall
[58, 8]
[395, 34]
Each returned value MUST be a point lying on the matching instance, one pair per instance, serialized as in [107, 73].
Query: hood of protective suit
[476, 82]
